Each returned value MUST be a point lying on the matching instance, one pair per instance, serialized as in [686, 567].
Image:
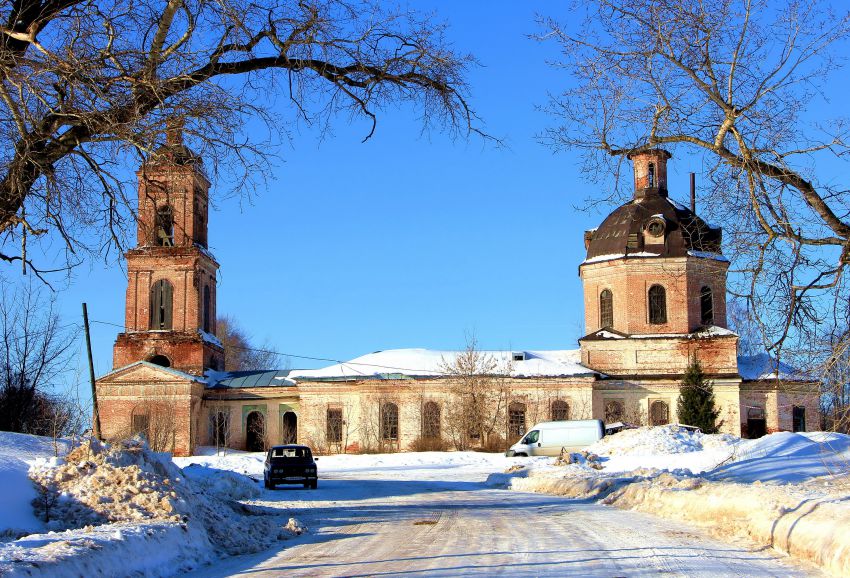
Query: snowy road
[442, 520]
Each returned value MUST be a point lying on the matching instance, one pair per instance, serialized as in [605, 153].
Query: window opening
[659, 413]
[706, 305]
[613, 411]
[657, 304]
[430, 420]
[516, 420]
[651, 174]
[207, 305]
[160, 305]
[606, 309]
[160, 360]
[560, 410]
[334, 433]
[798, 414]
[389, 422]
[165, 226]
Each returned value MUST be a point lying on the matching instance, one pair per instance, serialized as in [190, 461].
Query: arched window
[160, 305]
[657, 304]
[516, 419]
[430, 420]
[389, 422]
[164, 230]
[613, 411]
[606, 309]
[659, 413]
[560, 410]
[706, 306]
[207, 310]
[651, 175]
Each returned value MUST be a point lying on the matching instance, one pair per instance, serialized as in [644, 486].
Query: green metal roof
[245, 379]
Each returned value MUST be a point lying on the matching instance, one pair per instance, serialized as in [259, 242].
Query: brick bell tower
[170, 310]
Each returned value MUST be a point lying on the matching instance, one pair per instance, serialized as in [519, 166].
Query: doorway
[289, 428]
[756, 423]
[255, 432]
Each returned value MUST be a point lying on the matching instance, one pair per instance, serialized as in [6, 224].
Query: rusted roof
[621, 233]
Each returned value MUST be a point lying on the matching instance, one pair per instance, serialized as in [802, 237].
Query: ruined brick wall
[170, 404]
[629, 280]
[776, 401]
[660, 356]
[636, 398]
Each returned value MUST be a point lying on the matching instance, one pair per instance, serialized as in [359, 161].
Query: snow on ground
[17, 453]
[123, 509]
[787, 490]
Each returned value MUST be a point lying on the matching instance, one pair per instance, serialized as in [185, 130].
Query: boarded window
[334, 432]
[516, 420]
[160, 305]
[706, 306]
[659, 413]
[606, 309]
[651, 174]
[560, 410]
[389, 422]
[164, 229]
[657, 304]
[613, 411]
[430, 420]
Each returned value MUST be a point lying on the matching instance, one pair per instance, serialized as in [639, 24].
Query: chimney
[693, 193]
[650, 168]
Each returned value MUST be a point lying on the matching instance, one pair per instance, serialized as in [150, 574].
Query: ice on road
[440, 519]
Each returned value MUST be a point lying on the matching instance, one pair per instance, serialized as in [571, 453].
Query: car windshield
[296, 453]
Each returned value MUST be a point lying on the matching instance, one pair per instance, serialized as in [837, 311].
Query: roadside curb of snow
[157, 548]
[815, 530]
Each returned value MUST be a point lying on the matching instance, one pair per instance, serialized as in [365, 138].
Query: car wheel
[266, 483]
[314, 484]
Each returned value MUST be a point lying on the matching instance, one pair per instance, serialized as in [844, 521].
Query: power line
[307, 357]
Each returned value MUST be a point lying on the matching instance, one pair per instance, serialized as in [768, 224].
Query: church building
[654, 283]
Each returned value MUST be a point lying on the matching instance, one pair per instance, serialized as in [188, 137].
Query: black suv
[290, 464]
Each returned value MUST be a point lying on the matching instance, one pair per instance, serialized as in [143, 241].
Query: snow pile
[106, 504]
[222, 483]
[17, 453]
[787, 490]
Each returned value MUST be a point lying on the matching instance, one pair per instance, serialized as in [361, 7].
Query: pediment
[142, 371]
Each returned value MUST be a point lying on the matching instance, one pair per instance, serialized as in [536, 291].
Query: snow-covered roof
[762, 367]
[399, 363]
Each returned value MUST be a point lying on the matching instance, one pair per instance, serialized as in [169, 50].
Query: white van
[547, 438]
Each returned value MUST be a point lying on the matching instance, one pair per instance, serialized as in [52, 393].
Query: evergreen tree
[696, 400]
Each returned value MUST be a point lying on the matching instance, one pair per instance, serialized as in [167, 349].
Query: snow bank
[17, 453]
[789, 491]
[106, 503]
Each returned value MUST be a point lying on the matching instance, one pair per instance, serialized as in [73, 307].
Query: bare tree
[83, 83]
[479, 392]
[239, 352]
[34, 352]
[741, 84]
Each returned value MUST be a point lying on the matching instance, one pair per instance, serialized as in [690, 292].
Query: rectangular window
[334, 432]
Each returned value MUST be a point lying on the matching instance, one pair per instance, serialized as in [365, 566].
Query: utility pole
[96, 414]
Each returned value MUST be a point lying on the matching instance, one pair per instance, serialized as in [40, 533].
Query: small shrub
[423, 444]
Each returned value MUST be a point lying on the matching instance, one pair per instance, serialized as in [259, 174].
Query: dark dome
[624, 231]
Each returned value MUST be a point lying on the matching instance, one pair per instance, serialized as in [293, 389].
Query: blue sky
[406, 240]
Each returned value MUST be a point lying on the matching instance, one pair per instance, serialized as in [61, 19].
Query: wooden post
[95, 413]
